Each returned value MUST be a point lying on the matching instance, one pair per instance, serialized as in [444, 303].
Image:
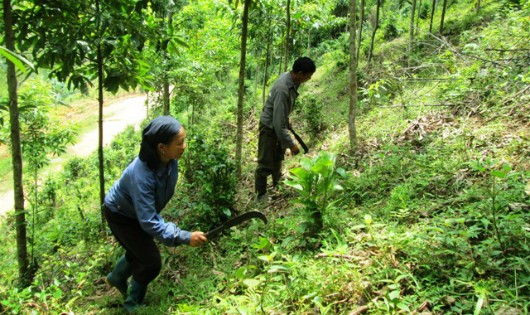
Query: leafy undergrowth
[431, 217]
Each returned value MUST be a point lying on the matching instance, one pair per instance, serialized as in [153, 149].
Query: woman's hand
[197, 239]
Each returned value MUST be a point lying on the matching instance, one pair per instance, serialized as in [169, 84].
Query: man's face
[305, 77]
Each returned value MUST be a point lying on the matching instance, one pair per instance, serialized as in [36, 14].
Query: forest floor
[118, 114]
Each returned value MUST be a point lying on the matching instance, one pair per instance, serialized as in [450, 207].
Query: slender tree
[376, 26]
[267, 61]
[166, 64]
[241, 92]
[411, 30]
[444, 8]
[287, 35]
[352, 78]
[101, 102]
[361, 23]
[80, 40]
[164, 10]
[24, 275]
[418, 18]
[433, 5]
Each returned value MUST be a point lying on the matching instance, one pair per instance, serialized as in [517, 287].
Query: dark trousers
[140, 248]
[270, 157]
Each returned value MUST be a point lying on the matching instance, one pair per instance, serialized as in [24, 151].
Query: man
[274, 137]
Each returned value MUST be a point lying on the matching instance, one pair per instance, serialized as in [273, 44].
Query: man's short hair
[304, 64]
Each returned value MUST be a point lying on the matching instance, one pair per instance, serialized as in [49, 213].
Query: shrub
[210, 174]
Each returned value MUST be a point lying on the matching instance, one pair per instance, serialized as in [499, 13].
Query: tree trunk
[353, 78]
[280, 67]
[287, 35]
[361, 22]
[24, 276]
[376, 26]
[308, 49]
[418, 19]
[411, 31]
[432, 15]
[267, 60]
[166, 70]
[241, 93]
[166, 95]
[477, 7]
[100, 126]
[444, 8]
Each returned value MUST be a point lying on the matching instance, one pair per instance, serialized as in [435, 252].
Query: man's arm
[280, 119]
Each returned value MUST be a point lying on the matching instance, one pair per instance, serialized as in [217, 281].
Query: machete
[302, 143]
[235, 221]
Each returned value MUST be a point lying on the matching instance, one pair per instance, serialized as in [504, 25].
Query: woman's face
[174, 149]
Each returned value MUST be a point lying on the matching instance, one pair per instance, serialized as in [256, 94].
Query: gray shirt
[278, 107]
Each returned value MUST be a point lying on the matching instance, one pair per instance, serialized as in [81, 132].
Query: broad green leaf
[16, 59]
[358, 227]
[295, 185]
[306, 163]
[337, 187]
[251, 283]
[240, 272]
[262, 244]
[278, 268]
[394, 295]
[499, 174]
[403, 306]
[342, 172]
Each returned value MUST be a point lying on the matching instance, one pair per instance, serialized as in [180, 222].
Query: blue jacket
[141, 194]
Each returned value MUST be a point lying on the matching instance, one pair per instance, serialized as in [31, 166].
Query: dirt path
[117, 116]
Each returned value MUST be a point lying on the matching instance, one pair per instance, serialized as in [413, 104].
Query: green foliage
[312, 115]
[316, 181]
[390, 31]
[210, 175]
[19, 61]
[436, 216]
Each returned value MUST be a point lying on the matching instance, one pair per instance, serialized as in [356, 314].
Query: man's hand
[197, 239]
[294, 150]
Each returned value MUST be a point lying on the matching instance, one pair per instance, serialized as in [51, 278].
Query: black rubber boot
[136, 296]
[119, 275]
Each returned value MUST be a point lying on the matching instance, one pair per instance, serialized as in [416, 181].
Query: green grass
[434, 213]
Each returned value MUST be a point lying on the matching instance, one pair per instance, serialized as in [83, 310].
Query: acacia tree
[40, 136]
[352, 77]
[81, 41]
[444, 8]
[433, 5]
[375, 27]
[287, 33]
[24, 275]
[361, 22]
[166, 46]
[241, 91]
[411, 30]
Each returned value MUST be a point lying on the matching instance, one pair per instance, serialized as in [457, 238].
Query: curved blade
[236, 221]
[299, 139]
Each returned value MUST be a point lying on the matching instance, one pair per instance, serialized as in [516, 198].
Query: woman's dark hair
[304, 64]
[160, 130]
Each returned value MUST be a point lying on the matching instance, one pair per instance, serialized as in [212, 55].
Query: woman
[133, 204]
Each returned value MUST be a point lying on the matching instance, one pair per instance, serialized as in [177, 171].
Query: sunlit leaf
[16, 59]
[251, 283]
